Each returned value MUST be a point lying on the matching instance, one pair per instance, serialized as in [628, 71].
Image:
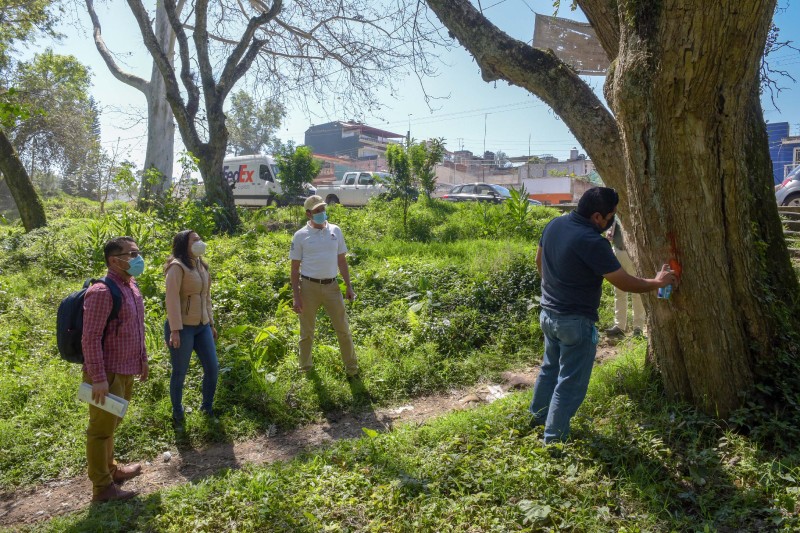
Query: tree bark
[690, 159]
[29, 205]
[160, 125]
[685, 92]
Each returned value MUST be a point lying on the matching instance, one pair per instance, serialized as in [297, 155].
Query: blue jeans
[198, 339]
[570, 345]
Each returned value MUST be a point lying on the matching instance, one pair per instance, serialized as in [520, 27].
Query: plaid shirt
[122, 350]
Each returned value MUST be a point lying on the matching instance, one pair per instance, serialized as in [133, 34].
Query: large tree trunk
[689, 156]
[699, 192]
[29, 205]
[218, 192]
[160, 124]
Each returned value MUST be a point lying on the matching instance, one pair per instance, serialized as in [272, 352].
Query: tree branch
[247, 50]
[604, 18]
[183, 114]
[125, 77]
[193, 92]
[543, 74]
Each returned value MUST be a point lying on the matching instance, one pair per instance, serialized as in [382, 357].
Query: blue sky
[469, 113]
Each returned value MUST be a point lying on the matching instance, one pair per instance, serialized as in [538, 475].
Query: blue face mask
[135, 266]
[319, 218]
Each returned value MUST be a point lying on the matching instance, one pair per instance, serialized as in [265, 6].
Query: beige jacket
[188, 296]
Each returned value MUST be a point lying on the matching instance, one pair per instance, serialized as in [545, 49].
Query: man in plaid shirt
[113, 352]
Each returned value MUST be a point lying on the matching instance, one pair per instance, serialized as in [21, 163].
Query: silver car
[788, 191]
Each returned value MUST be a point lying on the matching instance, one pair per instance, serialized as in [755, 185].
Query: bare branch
[540, 72]
[183, 114]
[193, 92]
[125, 77]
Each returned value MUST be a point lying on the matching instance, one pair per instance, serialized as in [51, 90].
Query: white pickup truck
[355, 188]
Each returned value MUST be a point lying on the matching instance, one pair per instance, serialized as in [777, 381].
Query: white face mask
[198, 248]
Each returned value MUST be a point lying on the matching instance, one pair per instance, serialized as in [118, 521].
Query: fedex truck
[255, 183]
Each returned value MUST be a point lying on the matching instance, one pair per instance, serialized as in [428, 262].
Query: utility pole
[483, 155]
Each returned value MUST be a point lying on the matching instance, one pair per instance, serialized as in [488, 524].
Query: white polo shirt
[318, 250]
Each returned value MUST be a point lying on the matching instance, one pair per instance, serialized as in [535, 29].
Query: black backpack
[69, 321]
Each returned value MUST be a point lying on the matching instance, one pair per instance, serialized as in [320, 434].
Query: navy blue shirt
[574, 259]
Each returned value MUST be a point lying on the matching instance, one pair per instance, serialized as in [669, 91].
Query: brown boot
[113, 493]
[126, 472]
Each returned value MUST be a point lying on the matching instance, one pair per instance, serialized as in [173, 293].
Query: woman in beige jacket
[190, 322]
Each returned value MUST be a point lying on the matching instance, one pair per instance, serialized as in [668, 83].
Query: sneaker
[615, 332]
[112, 493]
[126, 472]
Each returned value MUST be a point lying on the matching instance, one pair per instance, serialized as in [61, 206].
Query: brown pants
[100, 435]
[313, 295]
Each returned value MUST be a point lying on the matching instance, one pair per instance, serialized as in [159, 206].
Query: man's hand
[667, 277]
[350, 293]
[99, 391]
[145, 372]
[298, 305]
[214, 332]
[175, 339]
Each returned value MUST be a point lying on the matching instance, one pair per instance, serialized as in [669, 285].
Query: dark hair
[601, 200]
[114, 246]
[180, 250]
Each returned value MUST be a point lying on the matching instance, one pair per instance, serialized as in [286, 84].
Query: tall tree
[62, 128]
[684, 143]
[159, 155]
[20, 20]
[252, 126]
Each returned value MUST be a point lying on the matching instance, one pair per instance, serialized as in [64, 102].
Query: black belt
[320, 281]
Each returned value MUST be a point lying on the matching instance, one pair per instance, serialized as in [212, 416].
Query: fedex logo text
[241, 175]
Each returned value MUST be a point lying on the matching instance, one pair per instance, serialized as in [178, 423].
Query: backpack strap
[116, 294]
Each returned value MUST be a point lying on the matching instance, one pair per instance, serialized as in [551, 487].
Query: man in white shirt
[317, 255]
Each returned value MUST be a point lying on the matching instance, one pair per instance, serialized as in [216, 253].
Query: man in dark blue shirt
[573, 258]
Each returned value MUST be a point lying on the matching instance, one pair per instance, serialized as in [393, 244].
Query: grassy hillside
[447, 301]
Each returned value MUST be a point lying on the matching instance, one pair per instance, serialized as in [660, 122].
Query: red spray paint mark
[674, 264]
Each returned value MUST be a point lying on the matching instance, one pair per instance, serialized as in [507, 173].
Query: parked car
[788, 191]
[533, 202]
[477, 192]
[355, 188]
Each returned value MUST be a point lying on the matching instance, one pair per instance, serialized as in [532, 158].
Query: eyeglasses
[132, 254]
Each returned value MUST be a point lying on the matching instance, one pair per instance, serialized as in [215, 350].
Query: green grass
[636, 463]
[430, 315]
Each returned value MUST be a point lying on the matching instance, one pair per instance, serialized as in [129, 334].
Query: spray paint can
[665, 292]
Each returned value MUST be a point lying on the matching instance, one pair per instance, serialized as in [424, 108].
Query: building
[784, 150]
[350, 139]
[557, 189]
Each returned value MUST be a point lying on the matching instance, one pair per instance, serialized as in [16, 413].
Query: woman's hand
[214, 332]
[175, 339]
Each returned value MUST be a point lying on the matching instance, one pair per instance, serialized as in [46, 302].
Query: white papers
[114, 404]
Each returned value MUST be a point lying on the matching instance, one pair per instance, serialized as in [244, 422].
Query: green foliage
[402, 185]
[58, 135]
[423, 158]
[251, 126]
[21, 20]
[296, 167]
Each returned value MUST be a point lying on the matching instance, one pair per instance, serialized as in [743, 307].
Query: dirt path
[66, 496]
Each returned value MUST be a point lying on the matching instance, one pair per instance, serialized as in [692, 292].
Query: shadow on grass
[133, 515]
[675, 462]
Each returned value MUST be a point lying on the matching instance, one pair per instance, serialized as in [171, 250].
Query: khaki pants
[100, 435]
[621, 298]
[330, 297]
